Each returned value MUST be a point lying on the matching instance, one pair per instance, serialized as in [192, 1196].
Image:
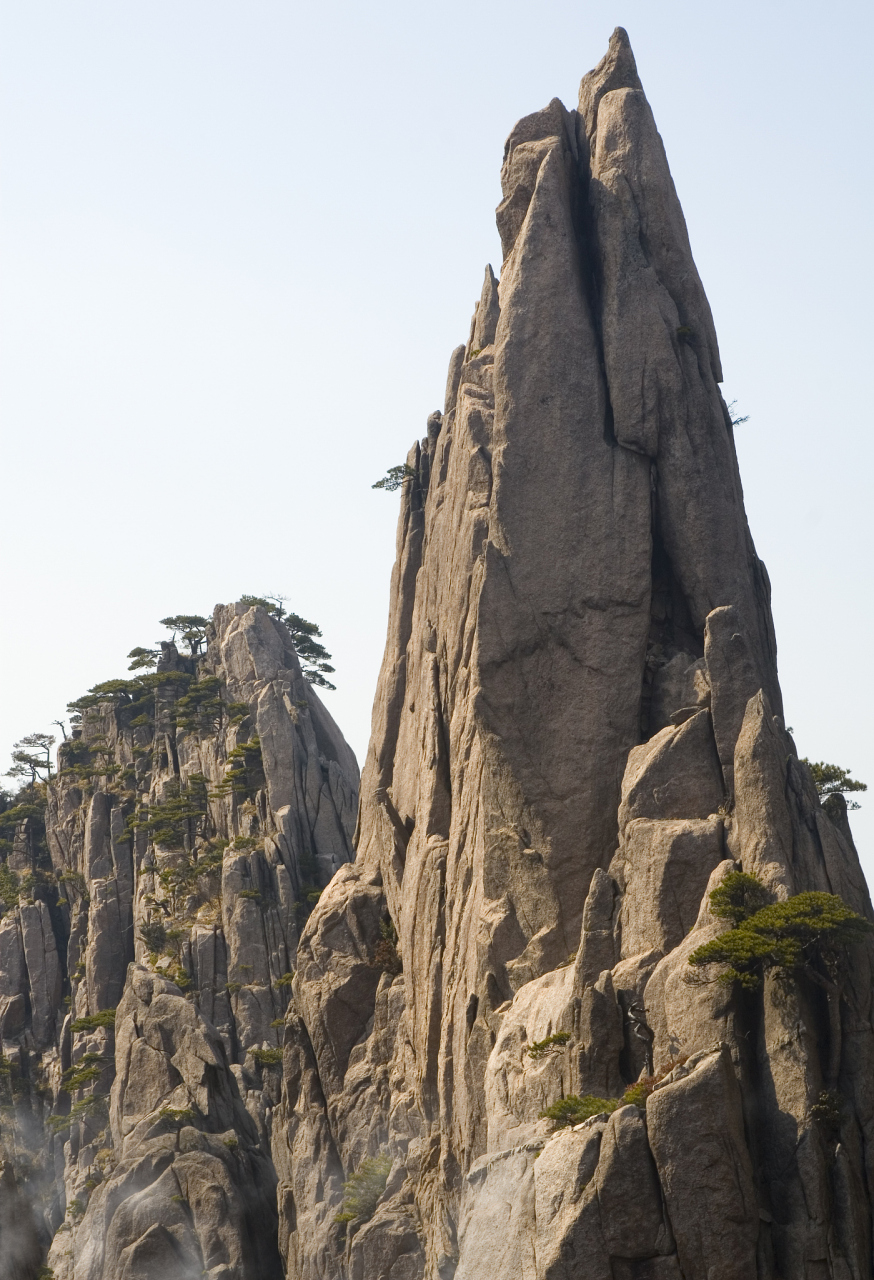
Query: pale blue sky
[239, 241]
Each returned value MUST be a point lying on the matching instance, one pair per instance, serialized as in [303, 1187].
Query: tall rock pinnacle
[477, 1040]
[576, 735]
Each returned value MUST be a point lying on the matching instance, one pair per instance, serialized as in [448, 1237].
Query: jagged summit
[486, 1042]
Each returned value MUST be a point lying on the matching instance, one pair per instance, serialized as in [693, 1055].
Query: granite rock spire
[576, 736]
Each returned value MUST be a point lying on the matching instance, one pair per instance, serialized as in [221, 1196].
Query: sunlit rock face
[577, 735]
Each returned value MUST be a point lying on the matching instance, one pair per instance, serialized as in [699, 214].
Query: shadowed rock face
[576, 736]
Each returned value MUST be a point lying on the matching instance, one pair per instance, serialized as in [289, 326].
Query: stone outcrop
[256, 1029]
[577, 735]
[145, 968]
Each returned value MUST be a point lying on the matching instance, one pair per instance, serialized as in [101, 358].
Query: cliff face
[231, 1050]
[194, 818]
[577, 735]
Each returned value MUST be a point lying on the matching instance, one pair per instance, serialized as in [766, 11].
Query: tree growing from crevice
[189, 628]
[810, 935]
[363, 1189]
[314, 657]
[395, 477]
[832, 780]
[33, 756]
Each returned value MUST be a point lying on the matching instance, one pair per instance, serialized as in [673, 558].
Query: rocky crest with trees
[154, 890]
[586, 992]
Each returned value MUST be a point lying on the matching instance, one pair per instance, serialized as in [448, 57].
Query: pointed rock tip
[539, 124]
[616, 70]
[487, 314]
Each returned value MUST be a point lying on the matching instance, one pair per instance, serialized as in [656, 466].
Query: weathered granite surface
[577, 734]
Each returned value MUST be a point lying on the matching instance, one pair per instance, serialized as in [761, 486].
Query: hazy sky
[239, 241]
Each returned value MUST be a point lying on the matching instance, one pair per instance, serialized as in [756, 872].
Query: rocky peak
[492, 1028]
[195, 817]
[577, 738]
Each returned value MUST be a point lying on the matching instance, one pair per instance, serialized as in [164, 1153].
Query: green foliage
[154, 935]
[827, 1109]
[107, 691]
[738, 897]
[314, 657]
[181, 977]
[178, 879]
[210, 857]
[809, 933]
[190, 627]
[252, 894]
[363, 1190]
[32, 756]
[247, 844]
[395, 477]
[143, 658]
[267, 1057]
[94, 1105]
[132, 696]
[76, 881]
[83, 1072]
[385, 954]
[286, 979]
[574, 1110]
[27, 807]
[105, 1018]
[832, 780]
[9, 888]
[36, 885]
[200, 709]
[736, 419]
[231, 1143]
[174, 821]
[552, 1044]
[177, 1115]
[244, 774]
[636, 1094]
